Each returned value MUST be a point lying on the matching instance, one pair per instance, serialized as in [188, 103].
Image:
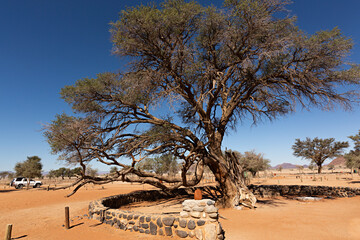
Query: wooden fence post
[67, 221]
[8, 232]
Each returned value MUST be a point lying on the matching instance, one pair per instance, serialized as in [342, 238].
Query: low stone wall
[199, 218]
[302, 190]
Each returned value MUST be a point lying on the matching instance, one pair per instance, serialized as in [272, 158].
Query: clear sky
[45, 45]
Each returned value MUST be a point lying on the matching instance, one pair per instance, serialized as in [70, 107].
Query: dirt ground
[39, 214]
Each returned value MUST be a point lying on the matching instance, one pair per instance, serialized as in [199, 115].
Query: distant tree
[92, 172]
[61, 172]
[51, 174]
[254, 162]
[30, 168]
[300, 168]
[317, 150]
[77, 172]
[163, 164]
[280, 168]
[353, 157]
[113, 170]
[210, 68]
[4, 174]
[331, 167]
[249, 161]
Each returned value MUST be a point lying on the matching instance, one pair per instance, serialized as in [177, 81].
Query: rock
[124, 216]
[158, 222]
[198, 234]
[195, 214]
[184, 214]
[182, 223]
[200, 222]
[210, 209]
[210, 202]
[198, 209]
[168, 221]
[148, 219]
[210, 232]
[153, 228]
[136, 228]
[187, 209]
[136, 217]
[190, 203]
[130, 217]
[142, 219]
[191, 225]
[181, 233]
[161, 232]
[147, 231]
[145, 225]
[213, 215]
[168, 231]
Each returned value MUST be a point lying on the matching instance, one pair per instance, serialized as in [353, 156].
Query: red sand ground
[39, 214]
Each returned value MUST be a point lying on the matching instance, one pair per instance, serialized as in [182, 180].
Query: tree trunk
[229, 175]
[319, 168]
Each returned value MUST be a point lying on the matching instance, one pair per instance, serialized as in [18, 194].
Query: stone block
[145, 225]
[210, 232]
[184, 214]
[159, 223]
[153, 228]
[210, 209]
[195, 214]
[168, 231]
[181, 233]
[191, 225]
[200, 222]
[182, 223]
[168, 221]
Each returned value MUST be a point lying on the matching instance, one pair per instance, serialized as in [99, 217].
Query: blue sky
[45, 45]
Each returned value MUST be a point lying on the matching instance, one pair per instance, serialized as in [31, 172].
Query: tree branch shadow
[23, 236]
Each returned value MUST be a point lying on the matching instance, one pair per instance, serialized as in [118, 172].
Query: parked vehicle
[21, 182]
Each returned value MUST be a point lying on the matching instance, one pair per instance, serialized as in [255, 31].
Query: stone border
[303, 190]
[199, 218]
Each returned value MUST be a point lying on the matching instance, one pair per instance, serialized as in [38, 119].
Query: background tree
[113, 170]
[252, 162]
[317, 150]
[51, 174]
[4, 174]
[212, 68]
[353, 157]
[164, 164]
[30, 168]
[92, 172]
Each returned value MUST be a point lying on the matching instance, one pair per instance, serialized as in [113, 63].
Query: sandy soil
[39, 214]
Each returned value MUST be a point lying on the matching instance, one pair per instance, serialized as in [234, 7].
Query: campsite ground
[39, 214]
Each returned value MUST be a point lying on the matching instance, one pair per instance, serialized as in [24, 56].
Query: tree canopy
[353, 157]
[317, 150]
[207, 68]
[30, 168]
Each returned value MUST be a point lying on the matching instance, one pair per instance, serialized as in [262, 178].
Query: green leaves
[318, 150]
[30, 168]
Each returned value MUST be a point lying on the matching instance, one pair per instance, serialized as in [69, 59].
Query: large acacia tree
[317, 150]
[193, 73]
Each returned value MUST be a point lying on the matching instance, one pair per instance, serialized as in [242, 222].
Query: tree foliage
[208, 68]
[353, 157]
[30, 168]
[252, 162]
[317, 150]
[163, 164]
